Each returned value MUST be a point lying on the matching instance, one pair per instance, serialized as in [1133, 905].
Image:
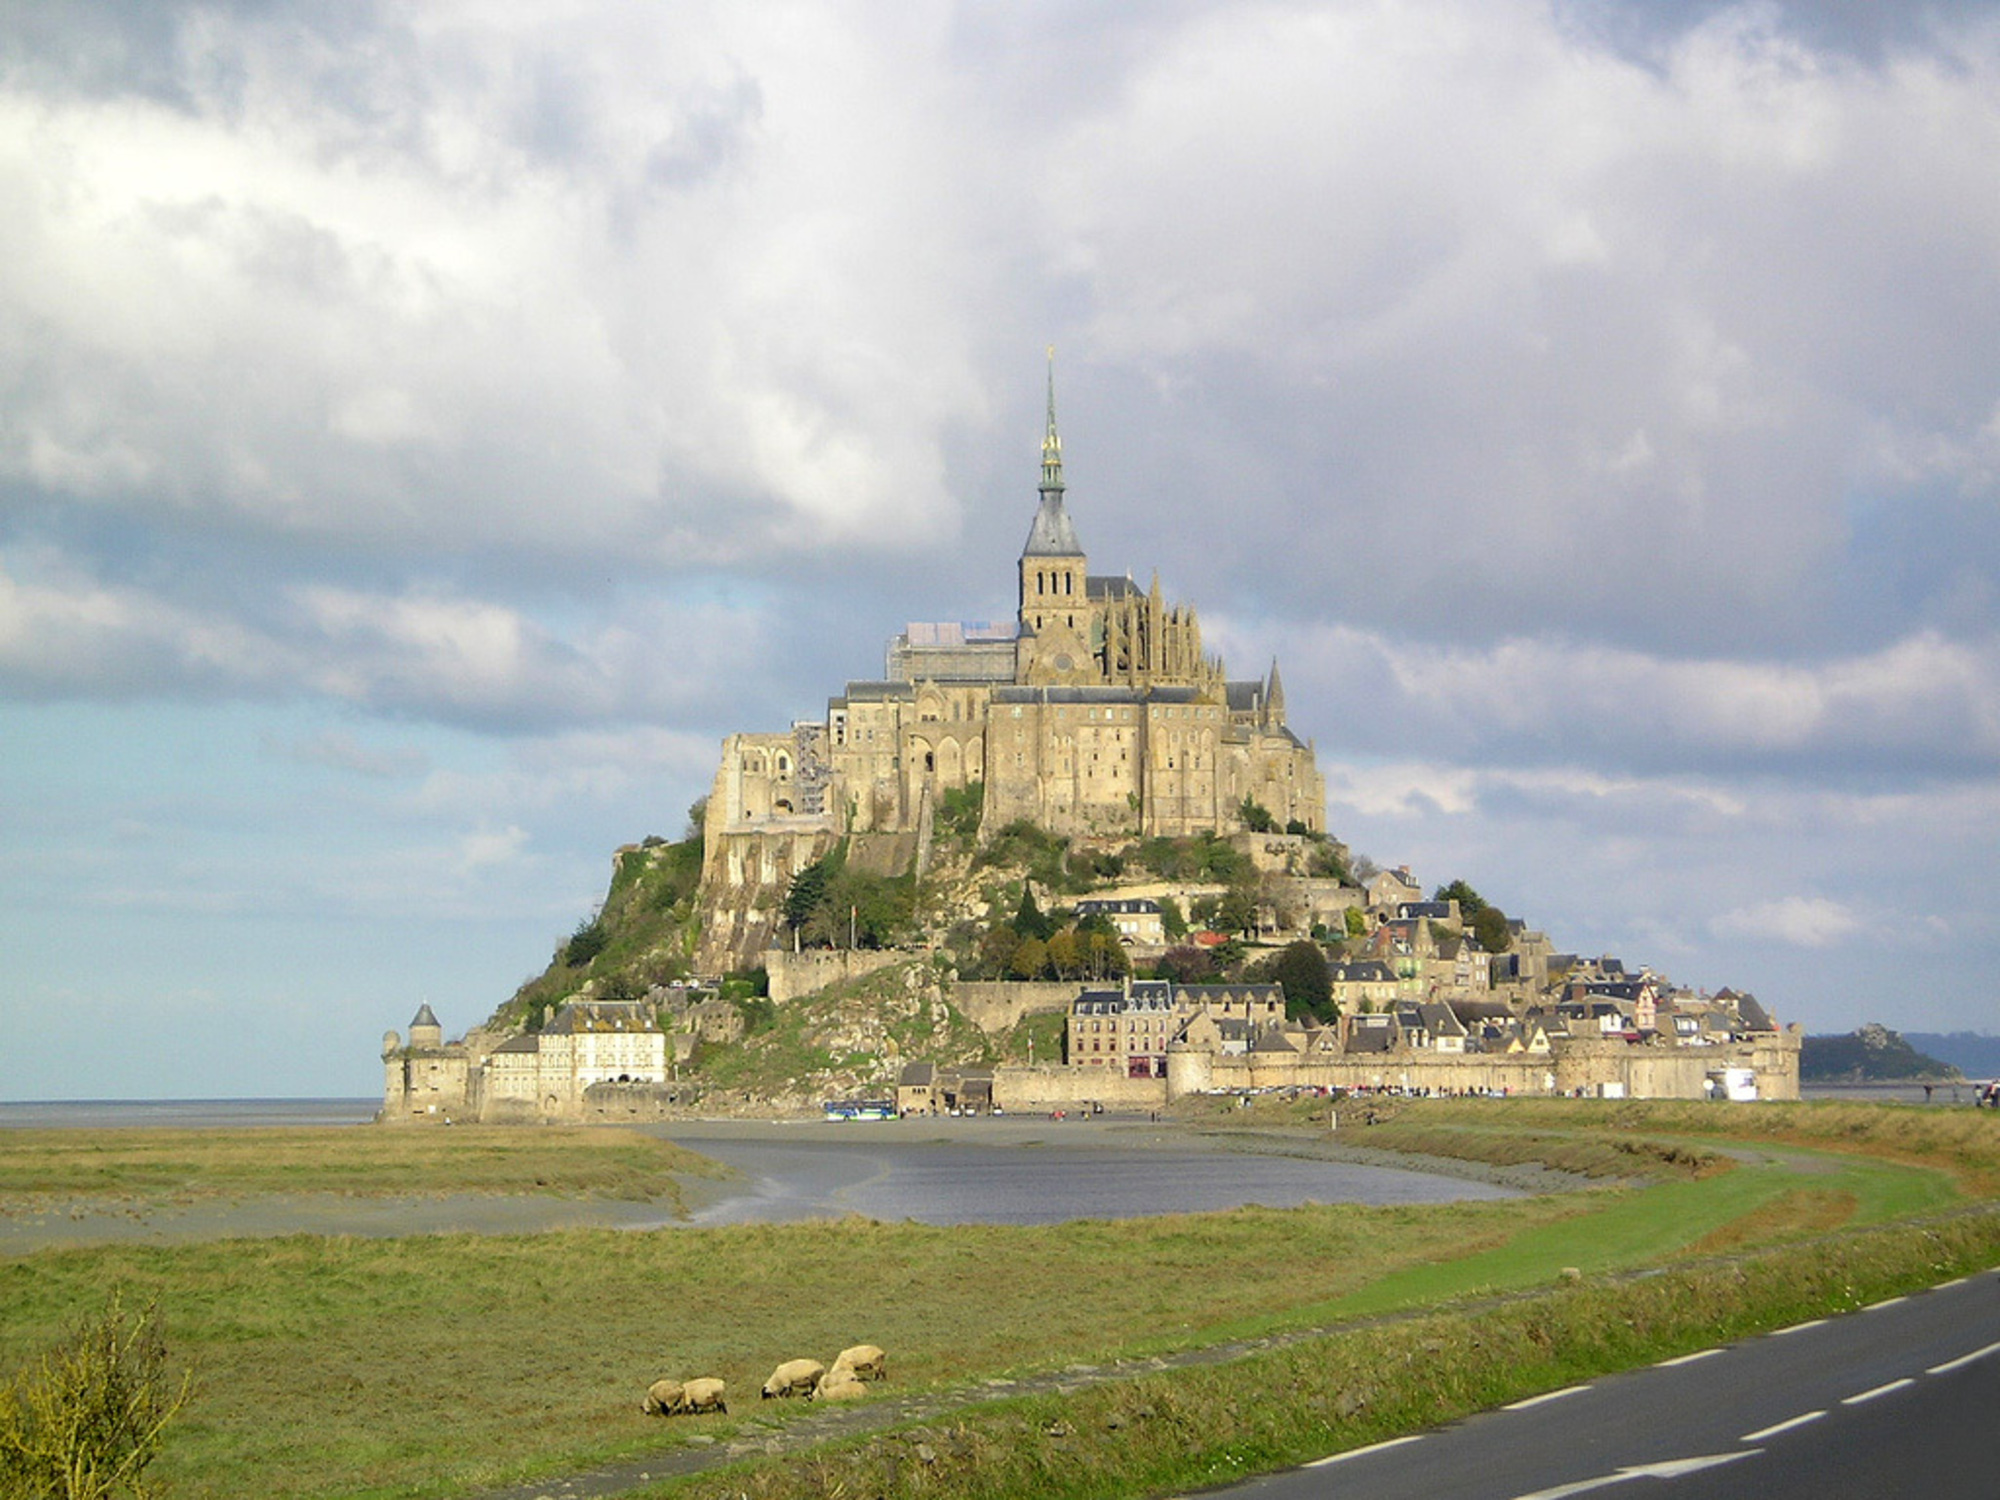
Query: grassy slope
[428, 1365]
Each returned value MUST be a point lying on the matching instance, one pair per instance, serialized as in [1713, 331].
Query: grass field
[175, 1165]
[435, 1365]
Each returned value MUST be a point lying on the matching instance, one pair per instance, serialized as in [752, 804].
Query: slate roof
[1051, 534]
[1109, 586]
[1755, 1017]
[1244, 697]
[1361, 971]
[879, 692]
[1273, 1039]
[425, 1016]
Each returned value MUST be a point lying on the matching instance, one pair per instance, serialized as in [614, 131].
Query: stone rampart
[804, 973]
[1043, 1087]
[1576, 1068]
[995, 1005]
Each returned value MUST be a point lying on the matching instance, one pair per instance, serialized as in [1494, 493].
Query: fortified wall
[1588, 1067]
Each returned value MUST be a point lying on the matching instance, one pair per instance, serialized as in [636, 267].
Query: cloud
[493, 846]
[605, 292]
[1803, 921]
[342, 752]
[1923, 706]
[427, 653]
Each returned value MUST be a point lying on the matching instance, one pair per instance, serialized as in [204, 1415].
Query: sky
[427, 429]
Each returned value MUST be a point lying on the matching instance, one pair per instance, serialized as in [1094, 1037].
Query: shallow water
[885, 1171]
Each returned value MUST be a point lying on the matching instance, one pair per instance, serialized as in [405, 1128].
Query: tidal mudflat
[1034, 1171]
[940, 1172]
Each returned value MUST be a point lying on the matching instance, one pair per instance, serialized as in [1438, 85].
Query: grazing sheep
[863, 1362]
[795, 1377]
[838, 1385]
[663, 1398]
[703, 1395]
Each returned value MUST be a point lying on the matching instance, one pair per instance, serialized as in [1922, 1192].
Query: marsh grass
[181, 1164]
[336, 1365]
[1193, 1428]
[434, 1365]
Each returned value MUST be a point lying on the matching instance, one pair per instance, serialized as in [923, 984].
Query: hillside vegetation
[998, 909]
[1869, 1055]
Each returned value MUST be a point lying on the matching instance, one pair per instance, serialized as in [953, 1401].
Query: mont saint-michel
[1062, 859]
[1094, 713]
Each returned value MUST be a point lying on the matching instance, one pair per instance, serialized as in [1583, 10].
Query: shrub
[585, 943]
[87, 1419]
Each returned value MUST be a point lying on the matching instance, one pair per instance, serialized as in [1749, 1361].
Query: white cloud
[493, 846]
[1803, 921]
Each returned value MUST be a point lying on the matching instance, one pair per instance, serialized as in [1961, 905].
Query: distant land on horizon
[1973, 1053]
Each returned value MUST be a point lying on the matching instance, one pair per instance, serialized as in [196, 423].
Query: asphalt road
[1900, 1399]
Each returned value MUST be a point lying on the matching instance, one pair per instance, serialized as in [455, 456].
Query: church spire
[1052, 480]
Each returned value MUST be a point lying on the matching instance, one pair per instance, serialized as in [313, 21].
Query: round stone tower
[424, 1029]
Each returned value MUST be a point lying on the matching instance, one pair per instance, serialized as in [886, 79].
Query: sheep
[863, 1362]
[671, 1398]
[703, 1395]
[838, 1385]
[795, 1377]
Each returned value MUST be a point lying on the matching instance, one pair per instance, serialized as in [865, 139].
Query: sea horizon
[270, 1109]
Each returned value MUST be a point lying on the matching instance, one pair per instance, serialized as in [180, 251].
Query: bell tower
[1055, 606]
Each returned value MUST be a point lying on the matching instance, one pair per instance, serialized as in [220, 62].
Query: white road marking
[1964, 1359]
[1796, 1328]
[1669, 1469]
[1878, 1306]
[1545, 1396]
[1943, 1284]
[1880, 1390]
[1341, 1458]
[1771, 1432]
[1685, 1359]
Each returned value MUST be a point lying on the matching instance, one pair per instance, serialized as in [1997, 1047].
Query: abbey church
[1094, 712]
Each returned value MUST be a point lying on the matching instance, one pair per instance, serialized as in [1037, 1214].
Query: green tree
[1355, 922]
[1030, 921]
[1030, 958]
[1187, 965]
[1104, 955]
[1172, 922]
[1256, 817]
[806, 894]
[585, 943]
[996, 949]
[1237, 911]
[1490, 926]
[1301, 969]
[1066, 955]
[875, 908]
[1470, 902]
